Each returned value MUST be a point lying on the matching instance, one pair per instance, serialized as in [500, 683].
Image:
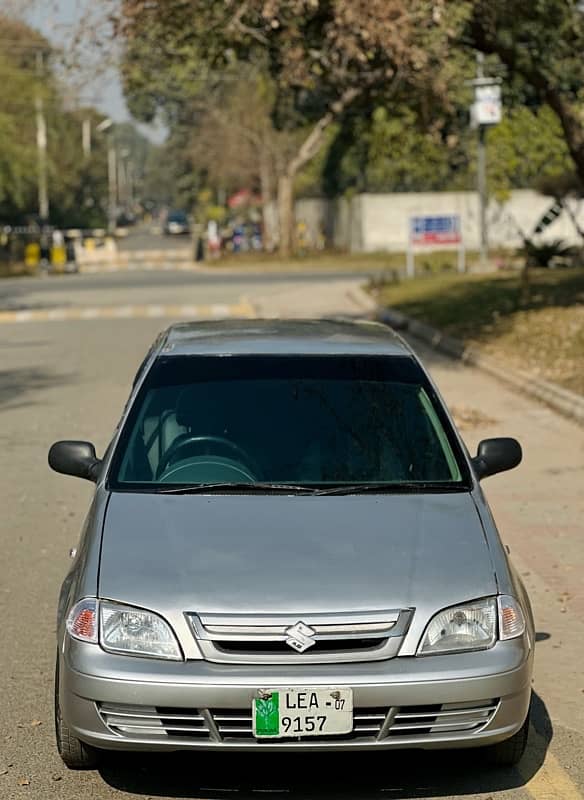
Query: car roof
[282, 337]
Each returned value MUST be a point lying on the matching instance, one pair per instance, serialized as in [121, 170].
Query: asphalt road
[154, 286]
[144, 237]
[69, 378]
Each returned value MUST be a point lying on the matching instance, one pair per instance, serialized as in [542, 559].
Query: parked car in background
[289, 549]
[176, 224]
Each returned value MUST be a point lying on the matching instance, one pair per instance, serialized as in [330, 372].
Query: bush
[549, 254]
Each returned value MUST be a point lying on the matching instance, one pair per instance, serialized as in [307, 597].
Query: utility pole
[112, 170]
[482, 178]
[86, 137]
[41, 126]
[106, 126]
[123, 183]
[486, 111]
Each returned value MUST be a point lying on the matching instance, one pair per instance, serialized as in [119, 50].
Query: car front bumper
[441, 701]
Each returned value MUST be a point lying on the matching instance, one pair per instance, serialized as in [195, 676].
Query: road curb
[565, 402]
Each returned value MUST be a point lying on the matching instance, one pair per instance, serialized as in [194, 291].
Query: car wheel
[509, 752]
[75, 753]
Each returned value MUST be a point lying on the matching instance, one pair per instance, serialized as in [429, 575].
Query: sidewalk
[326, 298]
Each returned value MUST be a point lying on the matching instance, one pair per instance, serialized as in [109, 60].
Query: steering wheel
[200, 442]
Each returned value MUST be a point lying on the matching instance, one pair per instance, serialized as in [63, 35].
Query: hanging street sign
[487, 107]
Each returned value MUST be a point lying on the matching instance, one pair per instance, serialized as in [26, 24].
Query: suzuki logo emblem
[300, 637]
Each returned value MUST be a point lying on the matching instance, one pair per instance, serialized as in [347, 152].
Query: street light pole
[41, 137]
[486, 111]
[482, 179]
[106, 126]
[112, 170]
[86, 137]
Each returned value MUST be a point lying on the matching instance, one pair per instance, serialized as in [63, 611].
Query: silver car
[288, 549]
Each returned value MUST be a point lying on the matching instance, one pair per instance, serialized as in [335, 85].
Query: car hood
[298, 554]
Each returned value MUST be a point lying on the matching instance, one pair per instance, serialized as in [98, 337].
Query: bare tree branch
[237, 23]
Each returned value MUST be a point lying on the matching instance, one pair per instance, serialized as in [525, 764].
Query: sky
[60, 21]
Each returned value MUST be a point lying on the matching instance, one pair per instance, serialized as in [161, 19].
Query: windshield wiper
[242, 488]
[394, 488]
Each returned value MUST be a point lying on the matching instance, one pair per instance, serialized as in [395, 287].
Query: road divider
[186, 311]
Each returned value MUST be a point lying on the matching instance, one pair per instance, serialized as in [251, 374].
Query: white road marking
[215, 311]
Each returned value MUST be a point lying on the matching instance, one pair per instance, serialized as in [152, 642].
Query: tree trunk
[267, 191]
[286, 212]
[306, 152]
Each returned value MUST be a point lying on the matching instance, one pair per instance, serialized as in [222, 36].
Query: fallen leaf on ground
[35, 723]
[23, 782]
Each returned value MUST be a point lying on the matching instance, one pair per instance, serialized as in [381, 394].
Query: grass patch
[544, 335]
[16, 270]
[376, 264]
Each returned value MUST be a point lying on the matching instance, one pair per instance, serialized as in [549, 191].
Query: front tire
[510, 752]
[74, 753]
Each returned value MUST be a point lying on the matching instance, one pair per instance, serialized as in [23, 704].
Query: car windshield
[303, 421]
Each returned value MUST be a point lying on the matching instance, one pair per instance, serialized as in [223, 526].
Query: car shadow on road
[18, 386]
[368, 775]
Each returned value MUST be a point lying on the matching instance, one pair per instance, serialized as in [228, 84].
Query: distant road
[142, 238]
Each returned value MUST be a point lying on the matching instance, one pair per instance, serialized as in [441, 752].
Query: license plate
[287, 713]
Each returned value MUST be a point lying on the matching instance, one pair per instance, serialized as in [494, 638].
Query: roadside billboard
[435, 231]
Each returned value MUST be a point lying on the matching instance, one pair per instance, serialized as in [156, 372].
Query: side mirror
[75, 458]
[496, 455]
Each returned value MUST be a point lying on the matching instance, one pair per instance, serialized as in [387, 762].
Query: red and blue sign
[435, 230]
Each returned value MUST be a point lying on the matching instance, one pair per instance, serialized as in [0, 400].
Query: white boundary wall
[376, 222]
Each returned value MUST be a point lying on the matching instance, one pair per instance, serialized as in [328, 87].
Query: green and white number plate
[288, 713]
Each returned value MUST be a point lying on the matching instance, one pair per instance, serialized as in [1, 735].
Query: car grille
[235, 725]
[239, 639]
[447, 718]
[148, 721]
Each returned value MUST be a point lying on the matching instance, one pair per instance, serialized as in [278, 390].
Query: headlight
[472, 626]
[124, 629]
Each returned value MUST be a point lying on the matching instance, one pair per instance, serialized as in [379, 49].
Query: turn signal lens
[82, 620]
[511, 619]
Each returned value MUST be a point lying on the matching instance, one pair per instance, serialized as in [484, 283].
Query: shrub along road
[542, 332]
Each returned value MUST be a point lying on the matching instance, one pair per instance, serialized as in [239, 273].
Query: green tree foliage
[540, 43]
[527, 147]
[77, 184]
[170, 177]
[391, 152]
[373, 93]
[18, 167]
[324, 57]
